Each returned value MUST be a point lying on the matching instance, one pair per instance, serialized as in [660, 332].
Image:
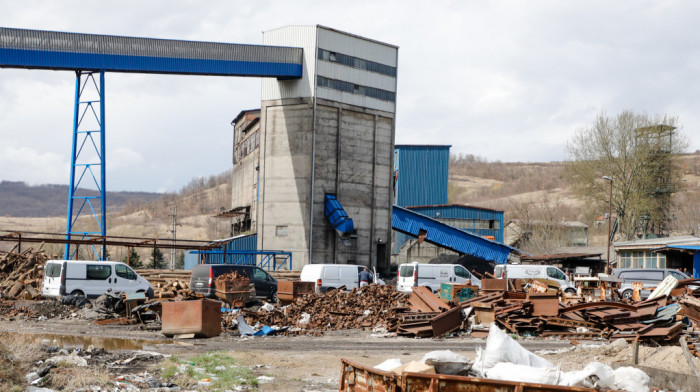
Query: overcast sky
[505, 80]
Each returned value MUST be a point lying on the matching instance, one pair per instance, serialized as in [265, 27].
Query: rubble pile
[369, 307]
[21, 274]
[169, 283]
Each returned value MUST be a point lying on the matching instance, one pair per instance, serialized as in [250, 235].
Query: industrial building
[324, 138]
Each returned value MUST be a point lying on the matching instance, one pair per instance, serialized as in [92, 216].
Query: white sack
[594, 375]
[501, 348]
[389, 364]
[522, 373]
[305, 318]
[631, 379]
[445, 356]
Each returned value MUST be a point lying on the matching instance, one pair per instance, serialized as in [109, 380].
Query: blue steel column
[103, 151]
[71, 186]
[83, 140]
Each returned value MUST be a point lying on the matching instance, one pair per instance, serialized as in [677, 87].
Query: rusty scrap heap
[369, 307]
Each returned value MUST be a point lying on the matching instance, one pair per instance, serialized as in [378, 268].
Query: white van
[91, 278]
[327, 276]
[432, 276]
[539, 272]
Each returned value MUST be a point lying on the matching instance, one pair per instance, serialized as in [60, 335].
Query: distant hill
[17, 199]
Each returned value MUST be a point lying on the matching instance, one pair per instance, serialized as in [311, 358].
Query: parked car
[91, 278]
[432, 276]
[204, 275]
[327, 276]
[649, 277]
[539, 272]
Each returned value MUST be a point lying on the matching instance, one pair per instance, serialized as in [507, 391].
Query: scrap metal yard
[299, 346]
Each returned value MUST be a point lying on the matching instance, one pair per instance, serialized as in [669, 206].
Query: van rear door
[51, 287]
[406, 278]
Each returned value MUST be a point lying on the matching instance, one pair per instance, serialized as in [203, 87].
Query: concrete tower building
[329, 133]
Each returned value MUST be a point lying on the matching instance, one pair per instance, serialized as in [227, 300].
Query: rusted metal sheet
[358, 378]
[598, 305]
[545, 304]
[446, 322]
[415, 382]
[201, 317]
[422, 299]
[488, 285]
[288, 290]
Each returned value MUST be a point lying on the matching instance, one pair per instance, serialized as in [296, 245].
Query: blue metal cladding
[466, 215]
[409, 222]
[337, 216]
[242, 243]
[422, 174]
[57, 50]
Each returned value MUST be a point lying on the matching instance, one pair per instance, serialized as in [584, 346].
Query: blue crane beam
[37, 49]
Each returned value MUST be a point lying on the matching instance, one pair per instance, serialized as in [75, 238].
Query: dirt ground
[295, 363]
[308, 363]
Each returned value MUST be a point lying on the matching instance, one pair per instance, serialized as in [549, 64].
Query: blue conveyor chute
[337, 216]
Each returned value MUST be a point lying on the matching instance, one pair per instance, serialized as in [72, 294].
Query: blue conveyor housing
[337, 216]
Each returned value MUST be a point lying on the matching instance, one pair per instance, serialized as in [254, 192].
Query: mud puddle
[109, 344]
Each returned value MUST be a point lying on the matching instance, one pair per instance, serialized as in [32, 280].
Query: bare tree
[640, 154]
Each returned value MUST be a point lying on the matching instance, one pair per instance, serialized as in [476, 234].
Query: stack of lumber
[21, 274]
[285, 274]
[168, 283]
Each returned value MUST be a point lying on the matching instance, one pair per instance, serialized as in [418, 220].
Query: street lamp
[606, 178]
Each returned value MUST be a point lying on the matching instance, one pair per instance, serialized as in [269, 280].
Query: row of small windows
[348, 87]
[356, 62]
[471, 223]
[247, 146]
[639, 259]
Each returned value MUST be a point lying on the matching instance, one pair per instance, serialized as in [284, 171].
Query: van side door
[98, 278]
[126, 279]
[349, 277]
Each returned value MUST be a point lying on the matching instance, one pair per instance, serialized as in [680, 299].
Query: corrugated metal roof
[650, 243]
[21, 48]
[409, 222]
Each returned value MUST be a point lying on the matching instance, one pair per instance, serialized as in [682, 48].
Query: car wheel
[273, 297]
[627, 294]
[77, 292]
[570, 291]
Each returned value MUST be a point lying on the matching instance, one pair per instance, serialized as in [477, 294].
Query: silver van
[432, 276]
[539, 272]
[91, 278]
[649, 277]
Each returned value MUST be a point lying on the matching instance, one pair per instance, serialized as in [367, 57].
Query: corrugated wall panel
[349, 44]
[300, 36]
[422, 174]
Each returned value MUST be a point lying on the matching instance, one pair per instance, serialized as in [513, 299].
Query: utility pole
[174, 231]
[606, 178]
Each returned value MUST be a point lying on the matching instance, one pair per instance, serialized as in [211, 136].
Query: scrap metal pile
[542, 314]
[21, 274]
[369, 307]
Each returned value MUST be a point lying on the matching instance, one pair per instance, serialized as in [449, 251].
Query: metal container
[201, 318]
[457, 292]
[288, 290]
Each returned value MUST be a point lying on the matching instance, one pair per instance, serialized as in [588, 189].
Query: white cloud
[28, 165]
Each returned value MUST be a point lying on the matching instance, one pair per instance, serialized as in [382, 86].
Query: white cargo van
[327, 276]
[91, 278]
[432, 276]
[539, 272]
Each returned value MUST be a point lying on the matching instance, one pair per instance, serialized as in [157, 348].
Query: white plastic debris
[389, 364]
[448, 362]
[664, 288]
[594, 375]
[265, 379]
[631, 379]
[305, 318]
[68, 359]
[523, 373]
[267, 307]
[501, 348]
[367, 312]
